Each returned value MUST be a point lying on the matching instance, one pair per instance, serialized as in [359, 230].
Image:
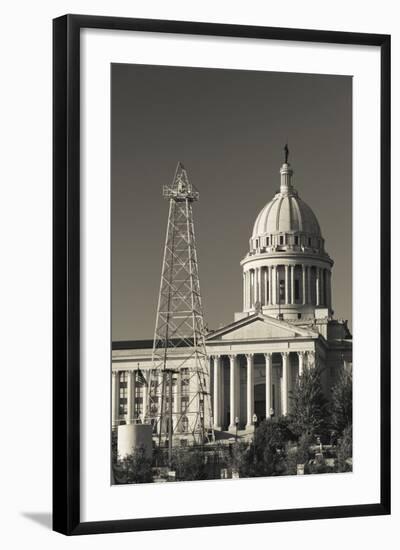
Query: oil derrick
[179, 403]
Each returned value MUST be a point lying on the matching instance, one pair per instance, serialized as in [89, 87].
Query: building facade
[287, 324]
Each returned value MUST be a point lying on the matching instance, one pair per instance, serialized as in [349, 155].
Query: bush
[189, 464]
[345, 450]
[303, 452]
[318, 468]
[134, 468]
[239, 458]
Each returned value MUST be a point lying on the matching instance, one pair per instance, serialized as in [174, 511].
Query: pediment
[259, 327]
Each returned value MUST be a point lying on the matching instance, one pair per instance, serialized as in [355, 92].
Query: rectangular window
[281, 239]
[123, 394]
[184, 403]
[267, 241]
[296, 240]
[123, 407]
[138, 409]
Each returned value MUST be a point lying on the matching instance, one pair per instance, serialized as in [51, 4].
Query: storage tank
[134, 436]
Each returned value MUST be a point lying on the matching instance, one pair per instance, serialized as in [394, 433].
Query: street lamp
[237, 426]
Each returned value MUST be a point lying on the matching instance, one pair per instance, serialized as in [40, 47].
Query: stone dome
[286, 213]
[286, 221]
[287, 272]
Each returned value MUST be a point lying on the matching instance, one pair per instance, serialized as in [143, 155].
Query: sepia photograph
[231, 274]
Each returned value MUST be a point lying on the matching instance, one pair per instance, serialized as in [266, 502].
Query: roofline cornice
[298, 257]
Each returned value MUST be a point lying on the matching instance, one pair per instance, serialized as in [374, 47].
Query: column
[248, 276]
[222, 392]
[273, 285]
[251, 288]
[115, 399]
[130, 396]
[278, 298]
[217, 392]
[266, 286]
[309, 284]
[268, 384]
[301, 362]
[177, 400]
[145, 391]
[323, 302]
[250, 389]
[244, 291]
[269, 285]
[286, 284]
[292, 268]
[285, 379]
[317, 285]
[303, 273]
[247, 289]
[232, 392]
[259, 294]
[329, 290]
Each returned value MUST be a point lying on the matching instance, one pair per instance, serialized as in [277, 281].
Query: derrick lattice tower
[179, 403]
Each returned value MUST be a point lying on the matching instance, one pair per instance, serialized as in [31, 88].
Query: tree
[267, 454]
[134, 468]
[342, 401]
[308, 404]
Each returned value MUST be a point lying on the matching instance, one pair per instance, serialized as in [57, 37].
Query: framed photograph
[221, 274]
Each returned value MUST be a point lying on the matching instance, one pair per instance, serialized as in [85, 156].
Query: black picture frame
[66, 274]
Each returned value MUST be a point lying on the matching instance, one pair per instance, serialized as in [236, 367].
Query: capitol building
[287, 324]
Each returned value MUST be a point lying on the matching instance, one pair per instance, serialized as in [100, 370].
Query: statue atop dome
[286, 150]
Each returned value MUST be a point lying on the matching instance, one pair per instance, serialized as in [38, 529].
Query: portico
[266, 359]
[279, 374]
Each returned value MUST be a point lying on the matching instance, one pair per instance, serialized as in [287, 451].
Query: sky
[228, 128]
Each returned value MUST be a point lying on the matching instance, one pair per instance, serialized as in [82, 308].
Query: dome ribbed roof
[286, 213]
